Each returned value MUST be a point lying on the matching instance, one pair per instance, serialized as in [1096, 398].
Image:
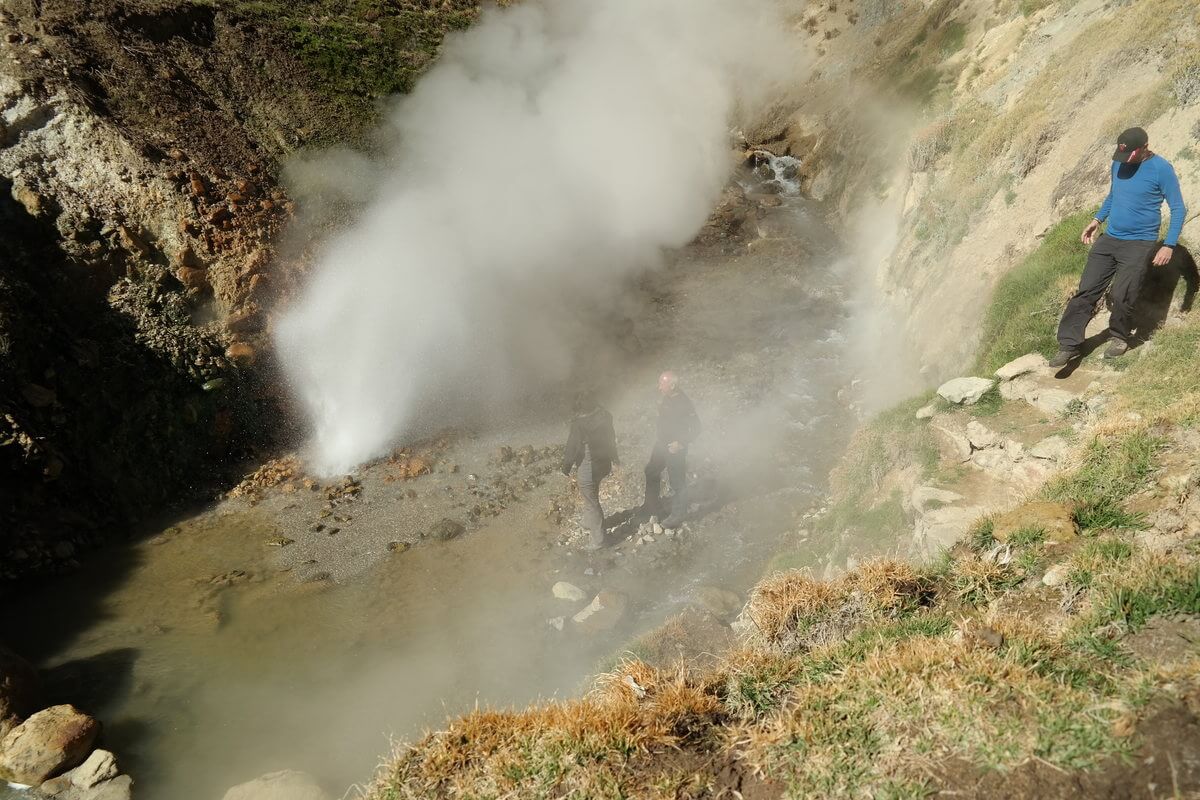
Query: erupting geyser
[554, 149]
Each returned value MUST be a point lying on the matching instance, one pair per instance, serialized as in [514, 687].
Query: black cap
[1129, 143]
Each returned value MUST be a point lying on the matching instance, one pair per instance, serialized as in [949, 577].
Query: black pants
[676, 466]
[1120, 263]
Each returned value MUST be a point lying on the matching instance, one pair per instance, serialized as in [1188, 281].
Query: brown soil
[700, 775]
[1166, 765]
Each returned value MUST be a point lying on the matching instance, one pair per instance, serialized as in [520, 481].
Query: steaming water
[317, 678]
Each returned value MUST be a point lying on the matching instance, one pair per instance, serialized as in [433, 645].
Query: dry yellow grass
[792, 611]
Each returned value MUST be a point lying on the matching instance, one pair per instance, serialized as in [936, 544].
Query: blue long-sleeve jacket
[1133, 207]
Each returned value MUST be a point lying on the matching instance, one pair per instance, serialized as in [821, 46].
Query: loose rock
[965, 391]
[100, 766]
[284, 785]
[603, 613]
[1021, 366]
[1056, 575]
[47, 743]
[446, 529]
[569, 591]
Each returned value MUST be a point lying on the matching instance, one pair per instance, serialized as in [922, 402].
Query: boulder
[1052, 448]
[926, 411]
[100, 766]
[603, 613]
[568, 591]
[447, 529]
[284, 785]
[1021, 366]
[1053, 402]
[979, 436]
[1053, 518]
[965, 391]
[18, 690]
[119, 788]
[46, 744]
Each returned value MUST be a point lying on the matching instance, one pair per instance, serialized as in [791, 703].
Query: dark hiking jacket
[594, 431]
[677, 420]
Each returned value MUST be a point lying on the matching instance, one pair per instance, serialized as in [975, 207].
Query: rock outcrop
[48, 743]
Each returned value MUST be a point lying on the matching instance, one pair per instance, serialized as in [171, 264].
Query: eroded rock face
[48, 743]
[284, 785]
[18, 690]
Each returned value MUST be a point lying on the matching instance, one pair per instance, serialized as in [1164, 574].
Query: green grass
[1113, 469]
[1027, 536]
[1164, 384]
[988, 405]
[358, 51]
[1028, 300]
[980, 537]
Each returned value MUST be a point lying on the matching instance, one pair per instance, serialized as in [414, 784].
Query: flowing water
[210, 663]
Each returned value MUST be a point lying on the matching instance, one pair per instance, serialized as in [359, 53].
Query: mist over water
[554, 150]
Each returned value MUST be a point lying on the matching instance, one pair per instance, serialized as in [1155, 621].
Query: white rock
[957, 439]
[556, 623]
[569, 591]
[656, 529]
[1018, 388]
[101, 765]
[922, 496]
[926, 412]
[1052, 448]
[979, 436]
[1021, 366]
[648, 539]
[965, 391]
[1052, 401]
[942, 527]
[1056, 575]
[285, 785]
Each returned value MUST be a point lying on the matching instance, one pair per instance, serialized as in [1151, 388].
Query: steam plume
[552, 152]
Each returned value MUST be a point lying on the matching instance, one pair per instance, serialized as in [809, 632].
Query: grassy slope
[358, 52]
[867, 685]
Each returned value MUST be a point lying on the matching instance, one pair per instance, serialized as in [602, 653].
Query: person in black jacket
[591, 446]
[678, 426]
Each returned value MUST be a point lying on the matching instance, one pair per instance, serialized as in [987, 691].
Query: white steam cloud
[555, 149]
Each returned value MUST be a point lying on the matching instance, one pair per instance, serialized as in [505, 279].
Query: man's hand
[674, 447]
[1089, 233]
[1163, 256]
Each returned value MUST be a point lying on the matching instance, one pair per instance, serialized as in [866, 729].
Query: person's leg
[1133, 259]
[592, 515]
[1097, 274]
[677, 472]
[654, 469]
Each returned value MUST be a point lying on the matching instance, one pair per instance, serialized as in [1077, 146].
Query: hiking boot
[1063, 358]
[1116, 348]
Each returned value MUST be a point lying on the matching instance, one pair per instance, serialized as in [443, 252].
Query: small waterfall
[767, 173]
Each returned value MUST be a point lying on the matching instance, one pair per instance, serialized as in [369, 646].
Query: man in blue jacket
[1141, 181]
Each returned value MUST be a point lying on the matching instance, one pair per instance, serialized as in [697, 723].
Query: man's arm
[1089, 233]
[1171, 190]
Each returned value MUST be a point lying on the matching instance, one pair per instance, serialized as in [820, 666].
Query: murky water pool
[210, 663]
